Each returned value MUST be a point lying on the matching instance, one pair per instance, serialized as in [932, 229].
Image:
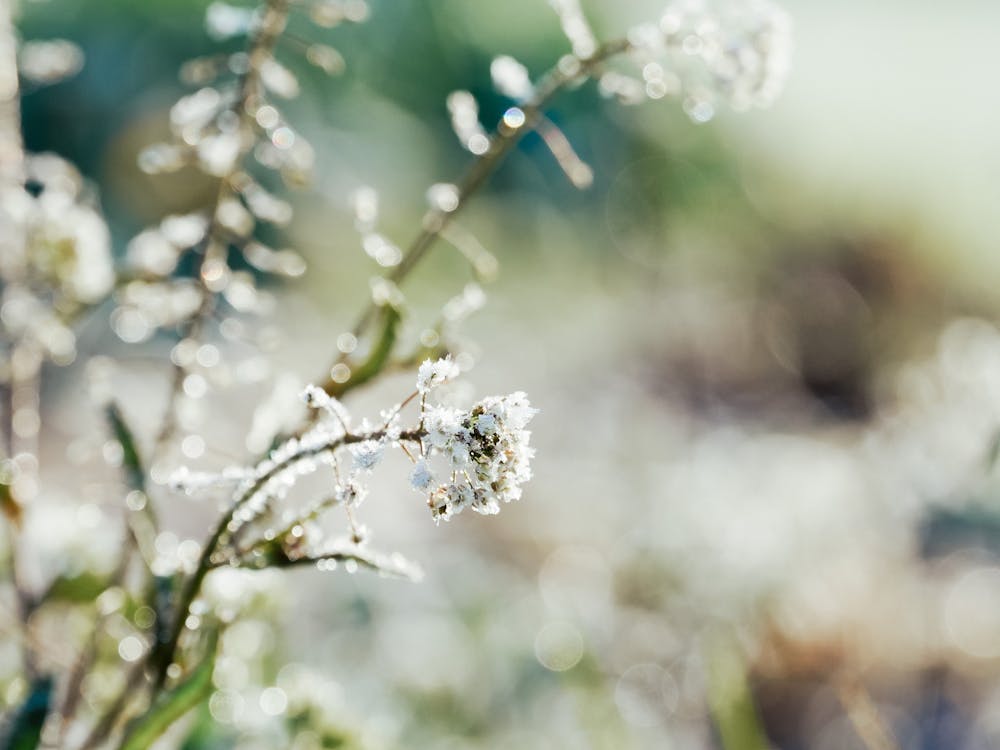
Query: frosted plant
[232, 129]
[486, 451]
[737, 53]
[58, 256]
[184, 272]
[486, 457]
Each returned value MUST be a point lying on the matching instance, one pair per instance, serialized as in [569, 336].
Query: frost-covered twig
[437, 218]
[223, 154]
[484, 454]
[738, 54]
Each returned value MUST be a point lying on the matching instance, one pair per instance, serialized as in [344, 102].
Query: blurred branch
[505, 138]
[211, 251]
[864, 715]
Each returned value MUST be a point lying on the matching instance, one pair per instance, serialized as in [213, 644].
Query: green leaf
[131, 461]
[377, 359]
[730, 698]
[206, 734]
[25, 731]
[173, 704]
[81, 588]
[142, 522]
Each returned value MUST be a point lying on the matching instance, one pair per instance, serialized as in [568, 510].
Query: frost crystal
[352, 493]
[432, 374]
[421, 478]
[367, 454]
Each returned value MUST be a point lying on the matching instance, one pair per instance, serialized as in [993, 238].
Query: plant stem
[161, 661]
[260, 48]
[504, 139]
[214, 245]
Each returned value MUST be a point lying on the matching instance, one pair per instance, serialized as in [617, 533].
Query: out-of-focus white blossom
[49, 60]
[218, 153]
[330, 13]
[444, 197]
[224, 21]
[279, 79]
[511, 78]
[66, 242]
[326, 58]
[735, 52]
[575, 27]
[464, 111]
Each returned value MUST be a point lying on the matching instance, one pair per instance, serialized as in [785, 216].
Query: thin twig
[504, 139]
[864, 715]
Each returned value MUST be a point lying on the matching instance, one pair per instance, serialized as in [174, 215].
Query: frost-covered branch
[701, 56]
[483, 455]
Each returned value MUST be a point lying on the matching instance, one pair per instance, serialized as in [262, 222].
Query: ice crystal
[432, 374]
[367, 454]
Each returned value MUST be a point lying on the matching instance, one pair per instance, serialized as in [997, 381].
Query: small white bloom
[441, 425]
[367, 454]
[421, 478]
[352, 493]
[432, 374]
[488, 451]
[511, 78]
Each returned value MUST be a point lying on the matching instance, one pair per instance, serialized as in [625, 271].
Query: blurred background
[765, 505]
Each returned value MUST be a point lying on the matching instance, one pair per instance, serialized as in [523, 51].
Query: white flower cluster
[486, 452]
[66, 239]
[432, 374]
[736, 52]
[55, 254]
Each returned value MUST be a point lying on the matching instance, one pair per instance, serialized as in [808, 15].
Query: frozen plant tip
[486, 452]
[483, 452]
